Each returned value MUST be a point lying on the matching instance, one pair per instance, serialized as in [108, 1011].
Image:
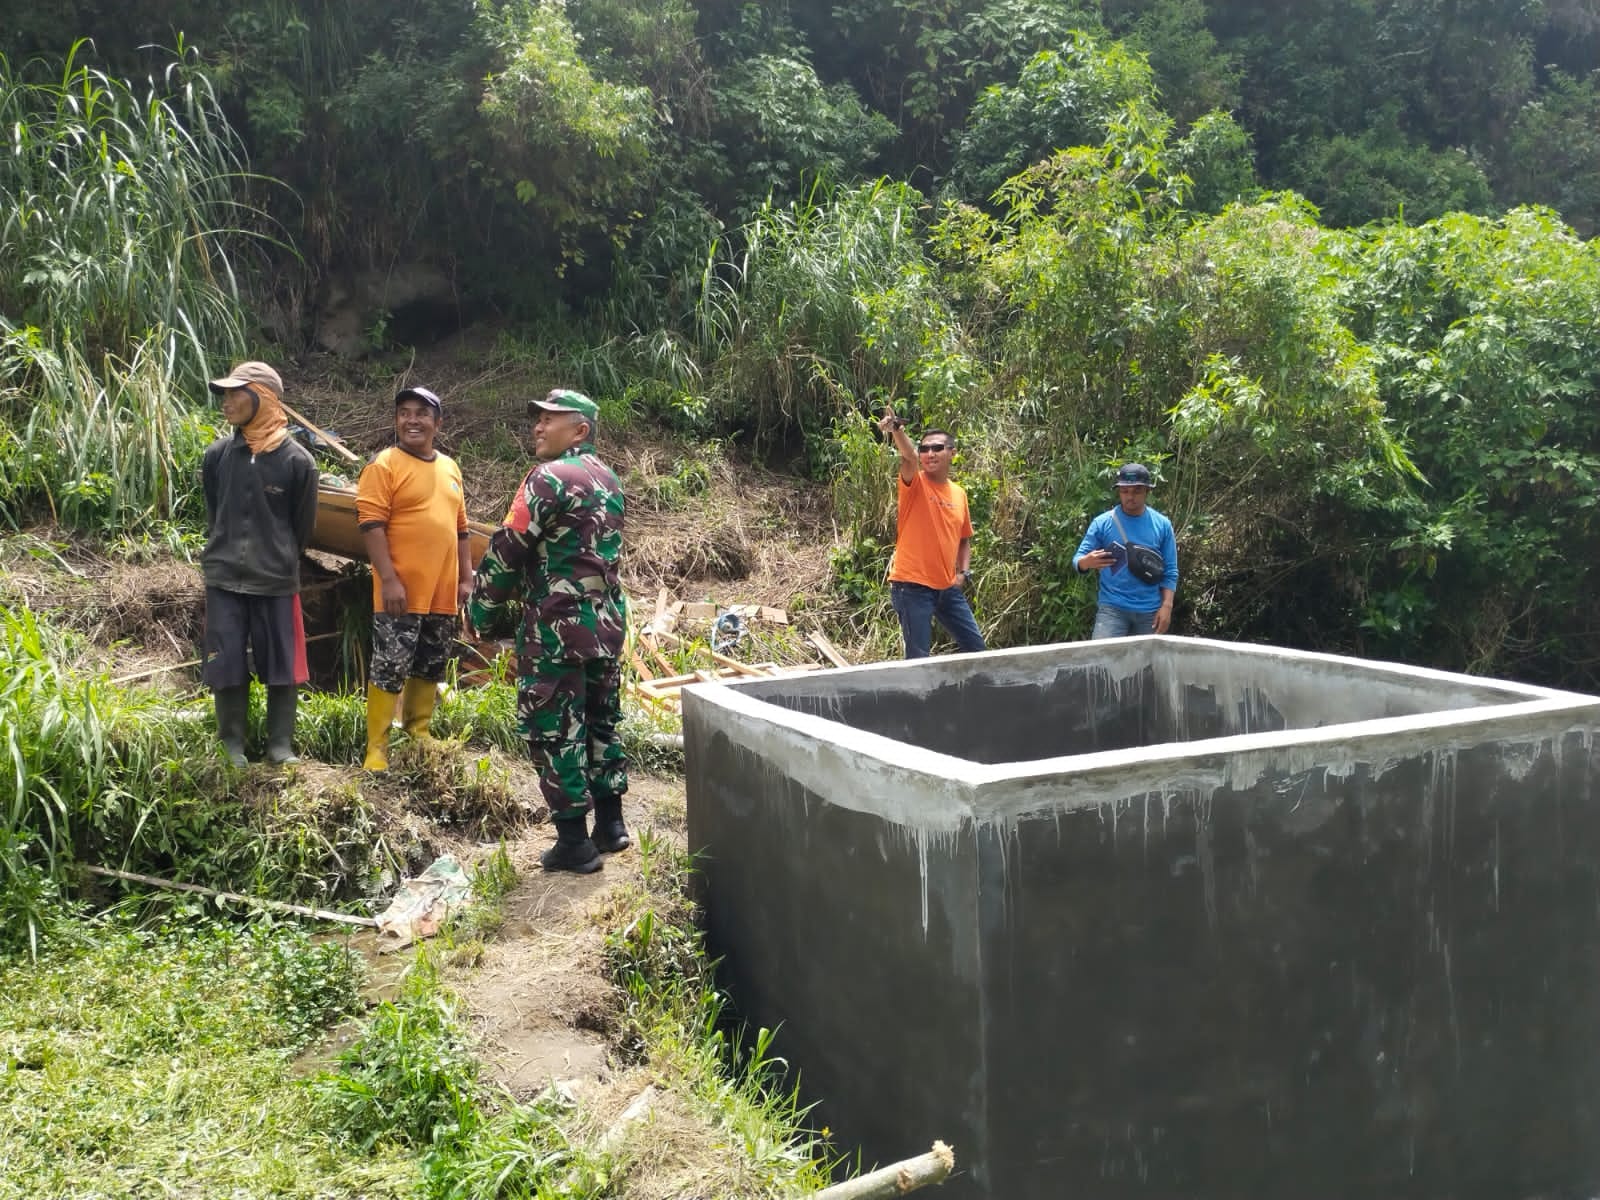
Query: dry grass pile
[158, 606]
[457, 786]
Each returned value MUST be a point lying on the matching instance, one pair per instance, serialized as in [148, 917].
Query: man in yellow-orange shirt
[413, 516]
[933, 543]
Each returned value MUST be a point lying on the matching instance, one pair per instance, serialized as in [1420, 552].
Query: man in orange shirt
[413, 516]
[933, 543]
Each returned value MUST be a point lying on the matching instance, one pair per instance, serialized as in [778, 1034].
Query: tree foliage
[1063, 97]
[1370, 400]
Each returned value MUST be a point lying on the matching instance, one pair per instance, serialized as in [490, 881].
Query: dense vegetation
[1325, 266]
[1062, 228]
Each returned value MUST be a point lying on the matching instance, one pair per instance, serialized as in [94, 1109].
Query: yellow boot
[416, 706]
[380, 715]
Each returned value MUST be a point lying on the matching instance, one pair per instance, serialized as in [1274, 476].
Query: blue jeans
[918, 607]
[1110, 622]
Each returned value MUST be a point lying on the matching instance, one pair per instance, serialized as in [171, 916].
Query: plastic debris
[422, 905]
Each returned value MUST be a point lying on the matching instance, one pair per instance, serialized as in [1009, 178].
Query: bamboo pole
[301, 910]
[896, 1179]
[338, 446]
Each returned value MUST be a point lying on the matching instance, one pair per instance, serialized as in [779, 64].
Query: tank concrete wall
[1358, 952]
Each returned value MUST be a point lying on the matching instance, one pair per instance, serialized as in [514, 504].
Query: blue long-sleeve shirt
[1118, 587]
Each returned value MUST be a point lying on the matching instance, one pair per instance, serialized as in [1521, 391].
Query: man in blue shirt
[1114, 545]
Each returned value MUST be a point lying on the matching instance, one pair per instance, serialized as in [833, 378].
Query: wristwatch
[965, 573]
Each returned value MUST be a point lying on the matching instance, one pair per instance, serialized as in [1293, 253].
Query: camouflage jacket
[556, 556]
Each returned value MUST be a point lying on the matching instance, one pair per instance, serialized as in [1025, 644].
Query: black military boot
[610, 834]
[281, 703]
[233, 707]
[573, 851]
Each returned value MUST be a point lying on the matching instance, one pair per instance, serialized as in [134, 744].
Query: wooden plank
[653, 697]
[638, 665]
[673, 681]
[829, 651]
[660, 621]
[736, 666]
[661, 660]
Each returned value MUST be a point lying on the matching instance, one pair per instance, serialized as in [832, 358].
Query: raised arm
[893, 428]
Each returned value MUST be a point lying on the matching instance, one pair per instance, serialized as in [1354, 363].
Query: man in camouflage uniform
[550, 573]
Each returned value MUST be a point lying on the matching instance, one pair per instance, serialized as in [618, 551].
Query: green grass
[680, 1023]
[155, 1063]
[411, 1082]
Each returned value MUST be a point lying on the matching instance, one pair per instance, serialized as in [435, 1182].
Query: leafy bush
[411, 1076]
[779, 128]
[1379, 174]
[831, 299]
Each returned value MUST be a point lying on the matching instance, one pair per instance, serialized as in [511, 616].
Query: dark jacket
[259, 512]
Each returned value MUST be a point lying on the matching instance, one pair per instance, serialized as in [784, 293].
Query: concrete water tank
[1168, 917]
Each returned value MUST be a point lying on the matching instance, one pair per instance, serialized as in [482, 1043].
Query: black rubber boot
[610, 834]
[281, 702]
[233, 708]
[573, 851]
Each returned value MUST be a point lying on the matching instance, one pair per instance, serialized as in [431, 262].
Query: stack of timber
[664, 692]
[658, 682]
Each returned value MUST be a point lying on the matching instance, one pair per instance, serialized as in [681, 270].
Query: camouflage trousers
[569, 712]
[415, 646]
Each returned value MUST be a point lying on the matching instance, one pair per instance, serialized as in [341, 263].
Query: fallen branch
[301, 910]
[896, 1179]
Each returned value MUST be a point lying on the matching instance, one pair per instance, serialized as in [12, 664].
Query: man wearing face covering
[261, 502]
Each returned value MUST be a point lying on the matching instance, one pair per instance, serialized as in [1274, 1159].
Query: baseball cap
[419, 393]
[562, 400]
[249, 372]
[1133, 475]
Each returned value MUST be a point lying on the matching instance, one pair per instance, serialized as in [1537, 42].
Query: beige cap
[249, 372]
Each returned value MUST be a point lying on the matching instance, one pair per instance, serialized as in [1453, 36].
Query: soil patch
[541, 1005]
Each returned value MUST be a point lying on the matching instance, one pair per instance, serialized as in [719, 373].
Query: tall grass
[77, 756]
[116, 290]
[831, 301]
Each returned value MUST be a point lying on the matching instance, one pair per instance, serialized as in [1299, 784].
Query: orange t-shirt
[421, 503]
[932, 520]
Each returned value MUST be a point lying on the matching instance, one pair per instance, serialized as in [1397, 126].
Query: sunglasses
[932, 447]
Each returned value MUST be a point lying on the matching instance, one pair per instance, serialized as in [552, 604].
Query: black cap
[420, 393]
[1133, 475]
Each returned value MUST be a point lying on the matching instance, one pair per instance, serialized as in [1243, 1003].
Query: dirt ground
[544, 1015]
[540, 1003]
